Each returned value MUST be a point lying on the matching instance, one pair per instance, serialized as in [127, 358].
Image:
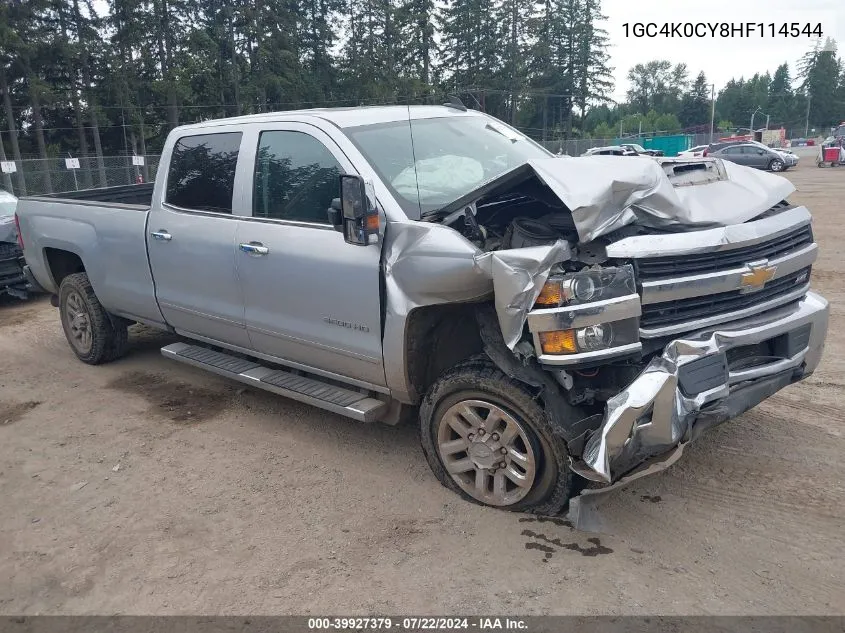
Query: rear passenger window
[296, 177]
[202, 172]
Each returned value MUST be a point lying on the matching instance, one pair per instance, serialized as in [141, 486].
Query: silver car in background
[755, 155]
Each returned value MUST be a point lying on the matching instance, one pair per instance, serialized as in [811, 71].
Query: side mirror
[761, 151]
[352, 213]
[336, 215]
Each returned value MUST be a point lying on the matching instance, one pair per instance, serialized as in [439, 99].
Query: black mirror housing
[335, 215]
[359, 219]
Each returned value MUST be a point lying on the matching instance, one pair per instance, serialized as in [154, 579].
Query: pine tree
[695, 104]
[820, 70]
[781, 100]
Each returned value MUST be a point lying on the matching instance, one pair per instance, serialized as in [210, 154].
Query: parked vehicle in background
[12, 280]
[531, 313]
[694, 152]
[642, 151]
[753, 155]
[610, 150]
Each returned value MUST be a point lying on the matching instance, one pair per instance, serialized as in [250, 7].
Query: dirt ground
[145, 486]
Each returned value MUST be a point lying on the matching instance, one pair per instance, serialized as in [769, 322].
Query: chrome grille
[661, 315]
[655, 268]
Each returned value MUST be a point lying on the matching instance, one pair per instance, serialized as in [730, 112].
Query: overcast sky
[720, 58]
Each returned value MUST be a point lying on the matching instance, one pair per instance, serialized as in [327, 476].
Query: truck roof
[342, 117]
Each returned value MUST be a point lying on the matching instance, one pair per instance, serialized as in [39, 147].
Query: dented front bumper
[701, 380]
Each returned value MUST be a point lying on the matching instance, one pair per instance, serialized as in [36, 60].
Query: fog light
[558, 342]
[594, 337]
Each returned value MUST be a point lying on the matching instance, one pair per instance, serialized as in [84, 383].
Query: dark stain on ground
[547, 551]
[554, 520]
[11, 412]
[653, 499]
[594, 549]
[177, 401]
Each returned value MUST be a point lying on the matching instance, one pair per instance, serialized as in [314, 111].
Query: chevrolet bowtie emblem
[757, 276]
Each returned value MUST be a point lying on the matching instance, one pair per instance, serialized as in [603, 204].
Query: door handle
[254, 248]
[162, 235]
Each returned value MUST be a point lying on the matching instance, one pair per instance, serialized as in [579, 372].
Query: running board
[353, 404]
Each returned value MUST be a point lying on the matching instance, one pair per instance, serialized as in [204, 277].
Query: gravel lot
[145, 486]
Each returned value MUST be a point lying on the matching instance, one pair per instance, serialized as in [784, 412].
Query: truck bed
[141, 195]
[100, 230]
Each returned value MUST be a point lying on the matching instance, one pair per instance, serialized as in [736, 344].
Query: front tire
[488, 439]
[776, 165]
[93, 336]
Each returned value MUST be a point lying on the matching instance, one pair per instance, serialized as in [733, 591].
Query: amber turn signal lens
[558, 342]
[372, 223]
[550, 295]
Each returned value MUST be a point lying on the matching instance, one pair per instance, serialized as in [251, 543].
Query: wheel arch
[61, 263]
[438, 337]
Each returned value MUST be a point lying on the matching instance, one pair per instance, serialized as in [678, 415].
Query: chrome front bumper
[692, 387]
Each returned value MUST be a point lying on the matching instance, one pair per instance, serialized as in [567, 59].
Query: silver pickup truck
[551, 322]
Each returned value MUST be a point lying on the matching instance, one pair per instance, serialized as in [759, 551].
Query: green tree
[819, 70]
[657, 85]
[781, 99]
[695, 104]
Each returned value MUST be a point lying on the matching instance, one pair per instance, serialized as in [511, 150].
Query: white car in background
[12, 279]
[693, 152]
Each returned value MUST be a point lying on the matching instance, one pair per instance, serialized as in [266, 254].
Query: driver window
[296, 177]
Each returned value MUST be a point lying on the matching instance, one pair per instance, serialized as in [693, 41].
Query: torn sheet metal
[518, 277]
[647, 422]
[427, 264]
[605, 193]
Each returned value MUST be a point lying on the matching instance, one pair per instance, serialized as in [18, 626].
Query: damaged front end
[644, 301]
[699, 381]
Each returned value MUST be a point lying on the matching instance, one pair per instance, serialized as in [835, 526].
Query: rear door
[191, 238]
[753, 156]
[734, 154]
[310, 298]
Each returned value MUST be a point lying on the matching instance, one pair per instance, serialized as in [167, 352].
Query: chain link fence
[55, 175]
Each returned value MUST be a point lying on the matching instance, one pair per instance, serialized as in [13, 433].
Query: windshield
[8, 203]
[636, 148]
[428, 163]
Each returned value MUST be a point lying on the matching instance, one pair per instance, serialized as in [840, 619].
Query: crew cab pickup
[548, 321]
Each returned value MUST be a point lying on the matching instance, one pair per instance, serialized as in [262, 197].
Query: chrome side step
[311, 390]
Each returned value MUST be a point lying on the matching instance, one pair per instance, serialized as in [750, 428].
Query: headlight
[586, 286]
[591, 338]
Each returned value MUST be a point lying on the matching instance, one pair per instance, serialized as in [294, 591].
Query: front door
[310, 298]
[191, 240]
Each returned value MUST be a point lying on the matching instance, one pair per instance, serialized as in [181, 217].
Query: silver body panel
[309, 300]
[654, 416]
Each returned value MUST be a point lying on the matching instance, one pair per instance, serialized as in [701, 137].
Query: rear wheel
[487, 438]
[93, 336]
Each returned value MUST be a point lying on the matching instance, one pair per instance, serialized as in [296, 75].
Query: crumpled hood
[605, 193]
[8, 230]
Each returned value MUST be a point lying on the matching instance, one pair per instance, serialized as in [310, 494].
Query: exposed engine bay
[537, 204]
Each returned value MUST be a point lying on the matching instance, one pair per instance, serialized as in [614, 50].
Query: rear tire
[93, 336]
[474, 420]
